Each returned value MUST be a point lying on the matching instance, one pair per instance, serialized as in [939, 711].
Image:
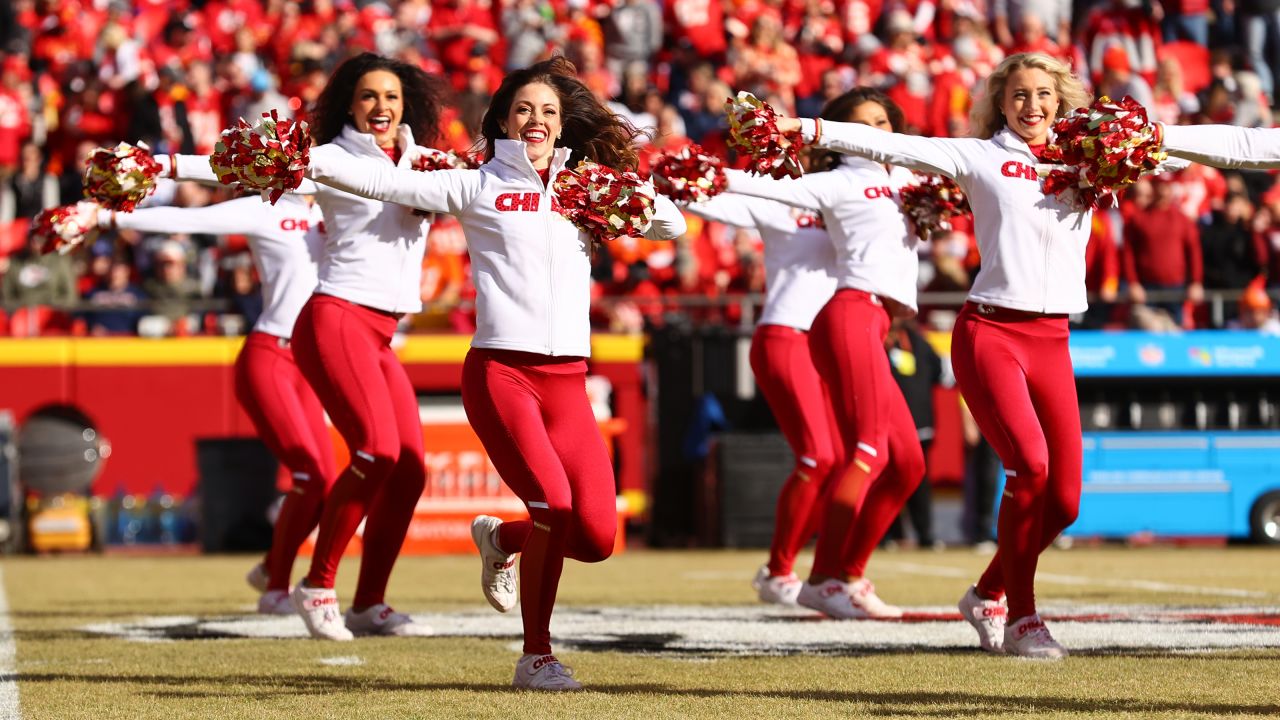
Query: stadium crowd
[76, 74]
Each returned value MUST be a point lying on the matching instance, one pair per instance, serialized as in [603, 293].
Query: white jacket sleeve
[242, 216]
[196, 168]
[1225, 146]
[807, 192]
[929, 155]
[445, 191]
[668, 222]
[745, 211]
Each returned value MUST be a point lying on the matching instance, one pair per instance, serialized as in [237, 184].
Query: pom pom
[932, 202]
[753, 129]
[1105, 148]
[427, 162]
[270, 155]
[689, 175]
[603, 202]
[67, 227]
[119, 178]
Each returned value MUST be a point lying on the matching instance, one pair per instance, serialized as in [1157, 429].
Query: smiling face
[534, 118]
[377, 106]
[1030, 104]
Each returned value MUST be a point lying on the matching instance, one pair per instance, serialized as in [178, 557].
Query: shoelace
[505, 580]
[559, 671]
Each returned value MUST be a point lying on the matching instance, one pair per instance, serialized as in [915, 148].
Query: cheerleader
[523, 381]
[799, 262]
[876, 270]
[1224, 146]
[1009, 345]
[286, 242]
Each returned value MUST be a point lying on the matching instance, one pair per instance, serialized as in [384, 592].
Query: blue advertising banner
[1102, 353]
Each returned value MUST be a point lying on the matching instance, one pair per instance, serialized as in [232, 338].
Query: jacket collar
[512, 154]
[358, 143]
[1009, 140]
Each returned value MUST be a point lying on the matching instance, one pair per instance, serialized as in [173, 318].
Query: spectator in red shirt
[1162, 253]
[700, 24]
[1102, 270]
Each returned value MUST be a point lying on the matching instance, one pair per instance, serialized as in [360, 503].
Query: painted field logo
[700, 631]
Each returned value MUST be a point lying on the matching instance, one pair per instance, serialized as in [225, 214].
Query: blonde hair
[987, 119]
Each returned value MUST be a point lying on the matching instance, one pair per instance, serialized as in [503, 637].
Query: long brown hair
[589, 128]
[986, 119]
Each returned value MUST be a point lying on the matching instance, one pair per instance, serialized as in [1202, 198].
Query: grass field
[64, 671]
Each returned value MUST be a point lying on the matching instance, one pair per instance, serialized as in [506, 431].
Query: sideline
[1126, 584]
[9, 708]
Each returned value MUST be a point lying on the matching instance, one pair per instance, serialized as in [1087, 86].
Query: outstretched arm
[242, 216]
[929, 155]
[196, 168]
[446, 191]
[807, 193]
[668, 223]
[1225, 146]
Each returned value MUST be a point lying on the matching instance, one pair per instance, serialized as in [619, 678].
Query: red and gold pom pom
[603, 202]
[1105, 148]
[440, 160]
[689, 175]
[119, 178]
[67, 227]
[270, 155]
[932, 202]
[753, 129]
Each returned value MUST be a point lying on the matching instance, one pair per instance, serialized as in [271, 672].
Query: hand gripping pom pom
[603, 202]
[67, 227]
[753, 129]
[1105, 148]
[271, 155]
[689, 175]
[932, 202]
[119, 178]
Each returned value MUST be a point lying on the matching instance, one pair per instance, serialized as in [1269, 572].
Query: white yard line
[1123, 583]
[9, 709]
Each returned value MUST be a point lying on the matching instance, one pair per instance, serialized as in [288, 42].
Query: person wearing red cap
[1119, 79]
[1256, 312]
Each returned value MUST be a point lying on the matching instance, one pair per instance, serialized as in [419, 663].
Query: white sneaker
[381, 619]
[258, 578]
[776, 589]
[498, 569]
[319, 610]
[988, 617]
[275, 602]
[544, 672]
[1029, 638]
[831, 598]
[865, 598]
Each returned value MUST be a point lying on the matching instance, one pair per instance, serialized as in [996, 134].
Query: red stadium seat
[1194, 59]
[38, 320]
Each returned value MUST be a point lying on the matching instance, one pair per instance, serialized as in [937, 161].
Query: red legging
[1014, 370]
[798, 398]
[883, 462]
[533, 417]
[344, 350]
[285, 411]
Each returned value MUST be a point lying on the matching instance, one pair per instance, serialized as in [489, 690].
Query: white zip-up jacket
[373, 250]
[287, 240]
[860, 201]
[1032, 244]
[1225, 146]
[531, 267]
[799, 259]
